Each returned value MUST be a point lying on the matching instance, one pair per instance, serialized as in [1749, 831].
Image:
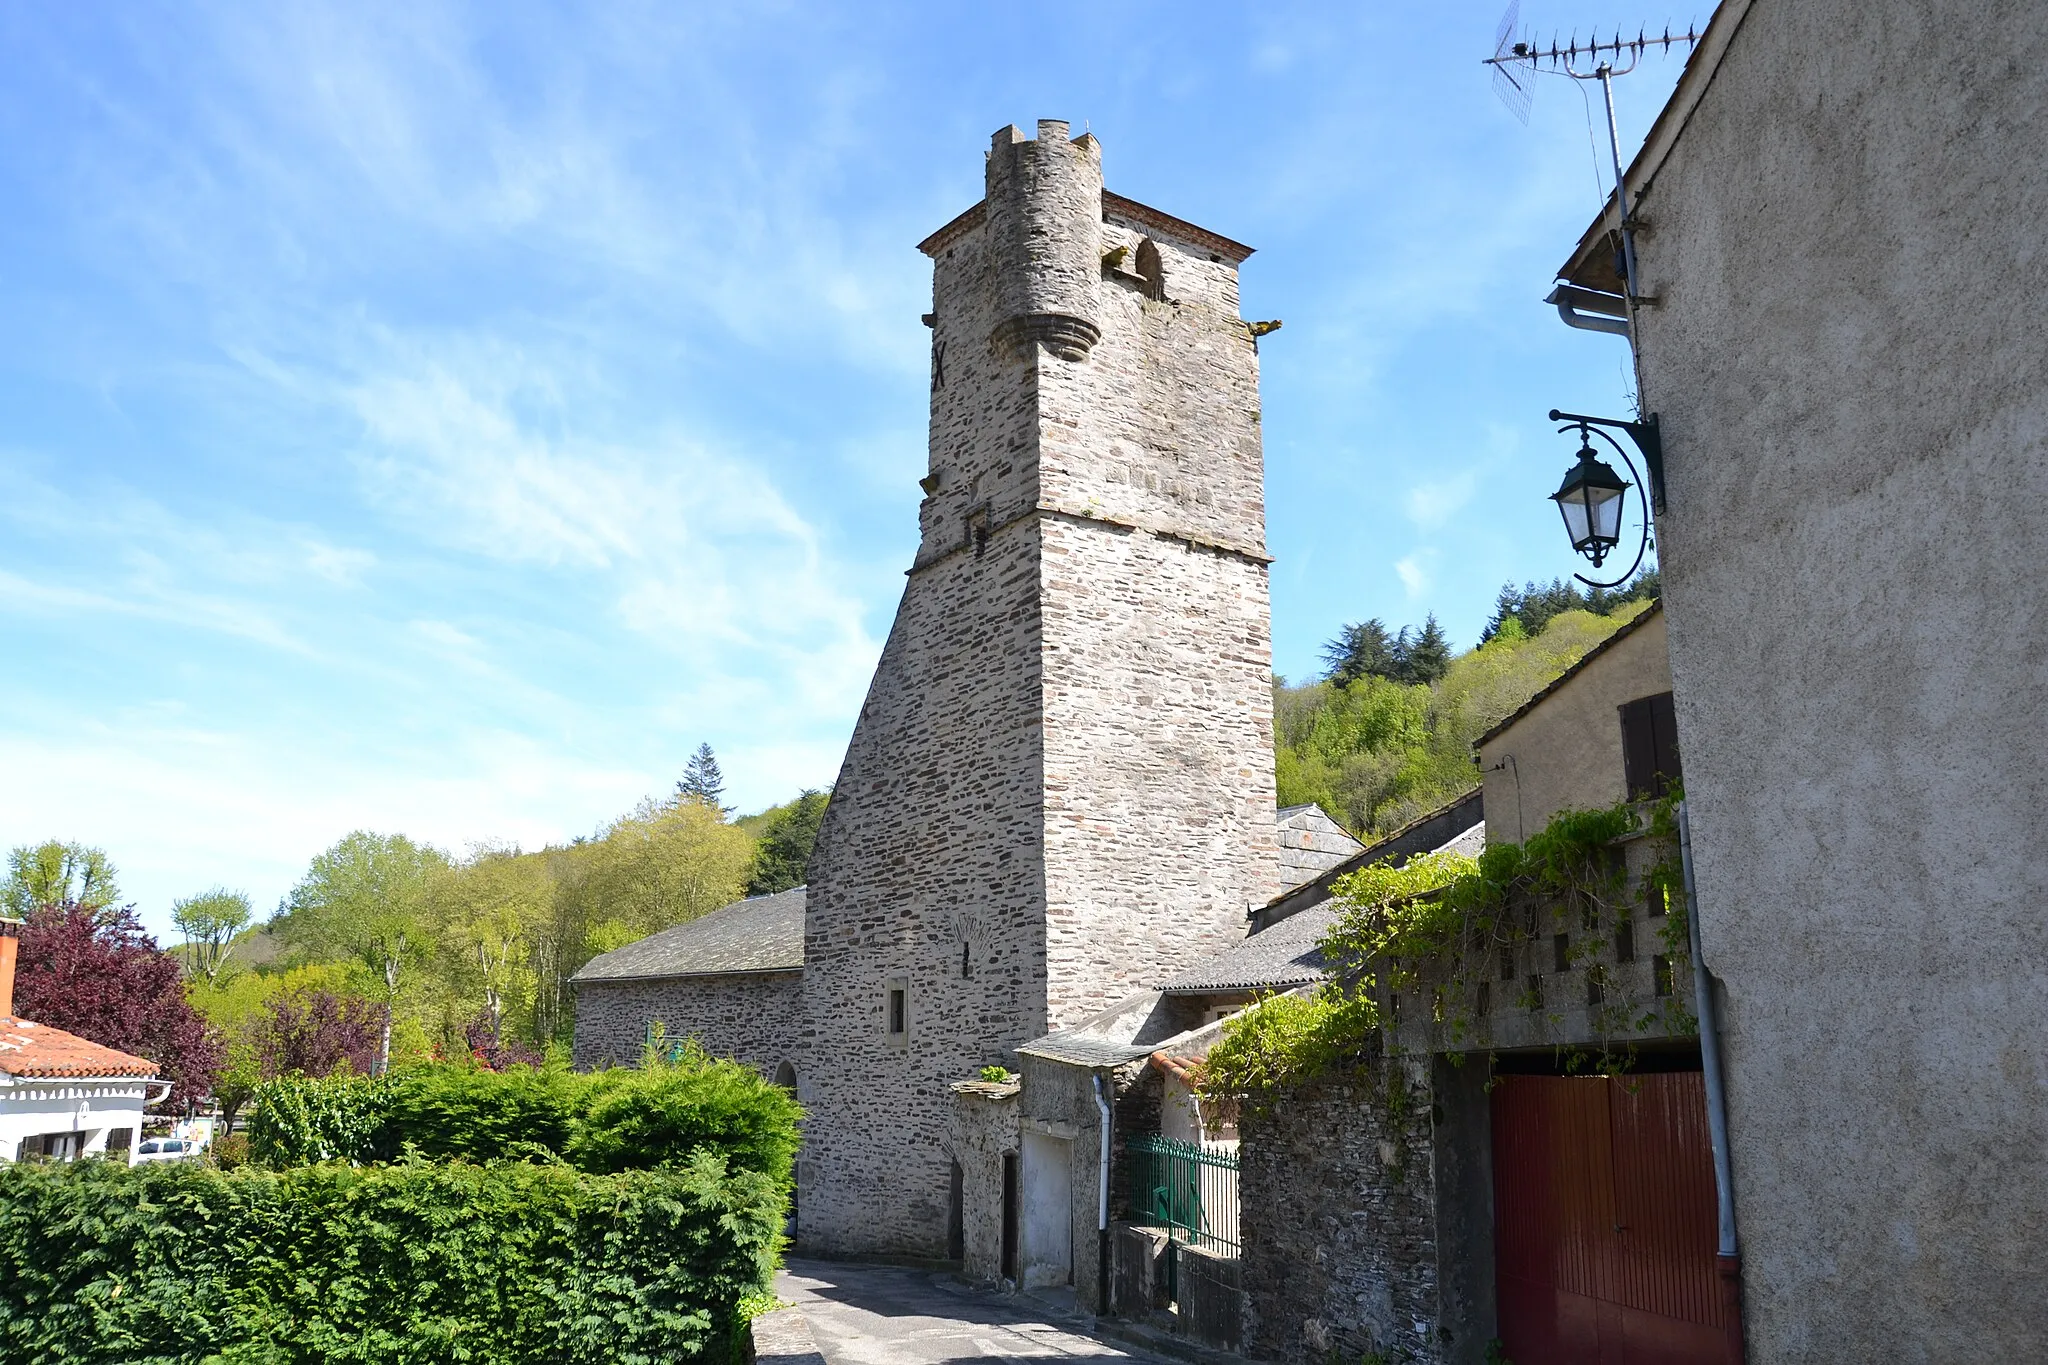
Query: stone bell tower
[1060, 788]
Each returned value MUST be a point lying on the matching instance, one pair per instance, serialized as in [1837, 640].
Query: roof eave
[1591, 264]
[576, 981]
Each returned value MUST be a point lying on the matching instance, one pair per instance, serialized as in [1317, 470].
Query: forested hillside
[1387, 733]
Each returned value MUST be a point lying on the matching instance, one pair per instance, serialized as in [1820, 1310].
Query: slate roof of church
[37, 1050]
[760, 934]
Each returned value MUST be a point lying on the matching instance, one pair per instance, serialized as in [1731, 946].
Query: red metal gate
[1604, 1222]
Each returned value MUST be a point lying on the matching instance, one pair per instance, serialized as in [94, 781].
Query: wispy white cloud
[1430, 505]
[1415, 571]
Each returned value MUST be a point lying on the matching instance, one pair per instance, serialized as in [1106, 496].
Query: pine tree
[703, 782]
[1427, 657]
[1361, 650]
[782, 859]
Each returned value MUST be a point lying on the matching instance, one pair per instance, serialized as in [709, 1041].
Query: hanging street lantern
[1590, 499]
[1593, 497]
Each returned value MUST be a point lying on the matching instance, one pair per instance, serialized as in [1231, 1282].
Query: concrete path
[882, 1315]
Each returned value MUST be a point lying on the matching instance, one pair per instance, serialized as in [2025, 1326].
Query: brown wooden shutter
[1649, 745]
[1664, 724]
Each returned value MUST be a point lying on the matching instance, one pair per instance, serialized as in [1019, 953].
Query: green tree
[209, 921]
[1375, 753]
[784, 853]
[1425, 658]
[1363, 649]
[658, 867]
[57, 873]
[494, 907]
[369, 899]
[703, 782]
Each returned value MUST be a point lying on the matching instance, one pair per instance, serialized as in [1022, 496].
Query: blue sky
[440, 418]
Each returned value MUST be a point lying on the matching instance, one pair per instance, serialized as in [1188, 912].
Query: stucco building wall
[1848, 359]
[754, 1017]
[1566, 752]
[1061, 782]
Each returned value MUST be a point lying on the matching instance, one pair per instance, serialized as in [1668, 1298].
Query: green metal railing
[1189, 1190]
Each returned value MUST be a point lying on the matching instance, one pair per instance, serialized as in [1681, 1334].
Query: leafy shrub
[230, 1151]
[299, 1120]
[1287, 1039]
[602, 1122]
[666, 1110]
[409, 1262]
[461, 1112]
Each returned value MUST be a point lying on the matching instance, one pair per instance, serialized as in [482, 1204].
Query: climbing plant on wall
[1434, 927]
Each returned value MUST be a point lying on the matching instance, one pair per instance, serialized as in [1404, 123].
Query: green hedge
[601, 1122]
[413, 1262]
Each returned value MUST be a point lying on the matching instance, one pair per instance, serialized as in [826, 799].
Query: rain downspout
[1590, 310]
[1729, 1259]
[1102, 1204]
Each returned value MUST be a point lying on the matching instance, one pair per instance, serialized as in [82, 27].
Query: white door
[1048, 1250]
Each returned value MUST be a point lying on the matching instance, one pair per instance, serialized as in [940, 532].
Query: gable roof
[1310, 843]
[31, 1050]
[1655, 608]
[761, 934]
[1452, 824]
[1274, 959]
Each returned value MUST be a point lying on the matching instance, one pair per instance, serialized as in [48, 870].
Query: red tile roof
[28, 1049]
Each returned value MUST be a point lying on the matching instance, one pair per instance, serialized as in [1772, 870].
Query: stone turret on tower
[1044, 209]
[1060, 788]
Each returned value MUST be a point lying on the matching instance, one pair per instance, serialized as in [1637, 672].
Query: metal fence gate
[1189, 1190]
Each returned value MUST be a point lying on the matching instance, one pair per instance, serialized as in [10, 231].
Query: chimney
[10, 944]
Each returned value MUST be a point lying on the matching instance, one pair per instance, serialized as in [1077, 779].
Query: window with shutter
[1649, 746]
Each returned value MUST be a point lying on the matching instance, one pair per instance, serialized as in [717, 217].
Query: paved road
[881, 1315]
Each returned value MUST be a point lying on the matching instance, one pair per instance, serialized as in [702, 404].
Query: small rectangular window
[1561, 951]
[896, 1009]
[1661, 967]
[1625, 941]
[897, 1022]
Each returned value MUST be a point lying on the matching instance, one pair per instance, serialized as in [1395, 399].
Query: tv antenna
[1516, 62]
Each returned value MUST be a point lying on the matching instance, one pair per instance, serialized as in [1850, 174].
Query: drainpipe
[1590, 310]
[1729, 1261]
[1102, 1204]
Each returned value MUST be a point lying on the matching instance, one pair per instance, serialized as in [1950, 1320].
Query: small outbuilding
[63, 1096]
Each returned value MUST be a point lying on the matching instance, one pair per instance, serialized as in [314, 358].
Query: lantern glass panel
[1605, 510]
[1575, 521]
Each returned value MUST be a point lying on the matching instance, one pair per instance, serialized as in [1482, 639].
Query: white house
[60, 1095]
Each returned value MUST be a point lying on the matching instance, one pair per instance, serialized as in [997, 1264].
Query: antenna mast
[1565, 60]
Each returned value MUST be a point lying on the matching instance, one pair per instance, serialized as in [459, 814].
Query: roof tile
[37, 1050]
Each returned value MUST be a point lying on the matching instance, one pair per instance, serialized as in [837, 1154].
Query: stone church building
[1060, 787]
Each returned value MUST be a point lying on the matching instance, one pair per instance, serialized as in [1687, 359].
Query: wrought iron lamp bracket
[1646, 435]
[1650, 443]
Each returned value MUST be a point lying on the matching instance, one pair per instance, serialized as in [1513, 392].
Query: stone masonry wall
[1338, 1217]
[1061, 780]
[755, 1017]
[984, 1129]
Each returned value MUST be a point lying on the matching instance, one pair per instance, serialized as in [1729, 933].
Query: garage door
[1604, 1222]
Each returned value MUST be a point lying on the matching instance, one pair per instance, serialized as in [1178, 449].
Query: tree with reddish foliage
[97, 973]
[314, 1032]
[494, 1052]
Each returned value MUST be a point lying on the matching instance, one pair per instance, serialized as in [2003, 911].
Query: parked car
[168, 1149]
